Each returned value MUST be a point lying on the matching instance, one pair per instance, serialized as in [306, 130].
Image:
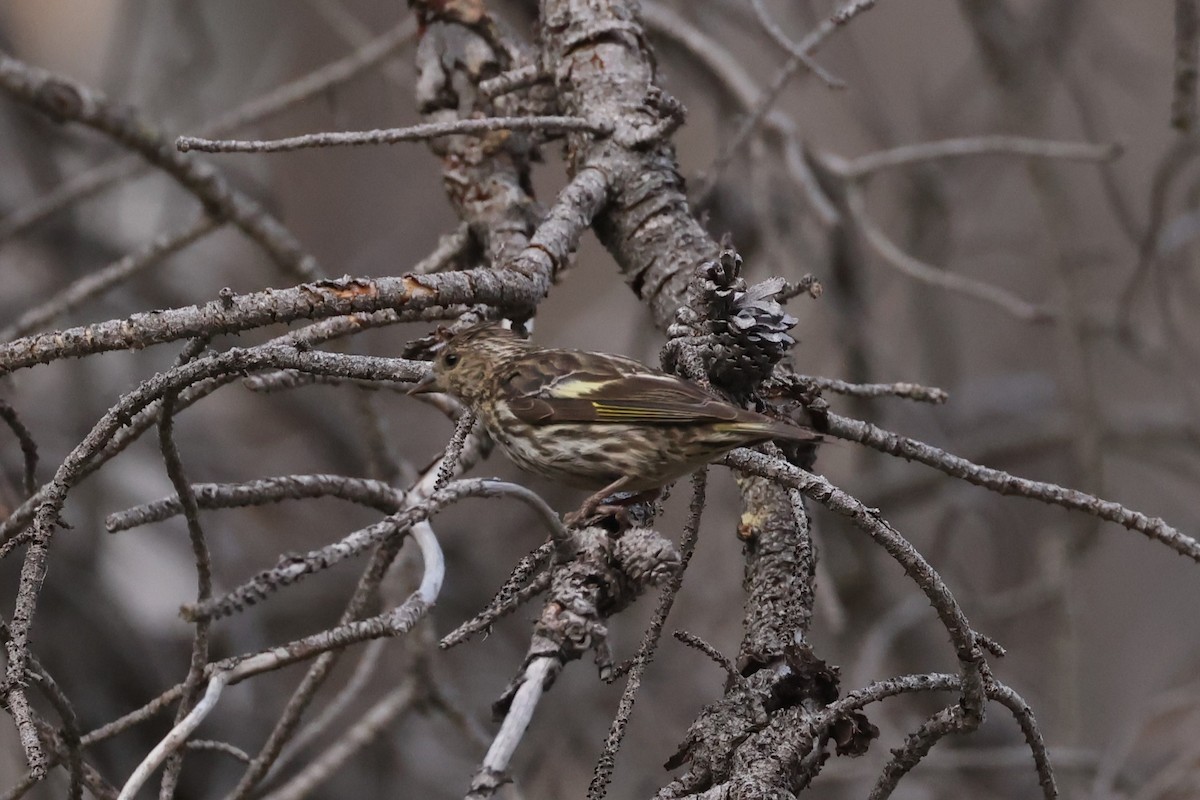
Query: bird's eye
[450, 359]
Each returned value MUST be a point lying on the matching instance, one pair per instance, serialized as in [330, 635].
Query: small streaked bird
[593, 420]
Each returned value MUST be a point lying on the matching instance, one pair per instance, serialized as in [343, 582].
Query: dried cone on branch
[591, 419]
[741, 332]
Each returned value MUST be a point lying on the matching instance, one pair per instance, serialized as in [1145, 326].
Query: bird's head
[466, 362]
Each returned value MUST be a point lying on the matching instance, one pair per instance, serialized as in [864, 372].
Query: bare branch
[869, 521]
[415, 133]
[225, 748]
[370, 493]
[808, 45]
[96, 283]
[90, 182]
[176, 738]
[200, 553]
[790, 47]
[519, 78]
[1187, 54]
[517, 589]
[1006, 484]
[915, 268]
[716, 656]
[292, 568]
[616, 732]
[908, 391]
[29, 450]
[364, 671]
[863, 166]
[533, 681]
[63, 99]
[369, 726]
[521, 282]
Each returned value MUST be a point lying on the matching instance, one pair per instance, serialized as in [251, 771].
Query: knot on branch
[812, 683]
[60, 100]
[798, 398]
[659, 116]
[802, 679]
[737, 333]
[776, 711]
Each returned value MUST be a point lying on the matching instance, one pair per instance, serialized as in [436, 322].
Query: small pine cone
[645, 556]
[742, 331]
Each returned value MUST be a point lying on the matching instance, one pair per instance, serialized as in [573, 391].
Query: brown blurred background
[1100, 623]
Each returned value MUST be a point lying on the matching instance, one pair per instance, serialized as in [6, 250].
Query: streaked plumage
[593, 420]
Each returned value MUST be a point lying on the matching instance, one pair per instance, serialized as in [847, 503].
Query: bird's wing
[605, 389]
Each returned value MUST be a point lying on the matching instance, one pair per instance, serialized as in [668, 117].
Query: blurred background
[1089, 379]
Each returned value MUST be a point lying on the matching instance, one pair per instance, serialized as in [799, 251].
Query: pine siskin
[593, 420]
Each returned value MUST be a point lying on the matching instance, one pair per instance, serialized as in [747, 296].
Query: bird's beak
[426, 385]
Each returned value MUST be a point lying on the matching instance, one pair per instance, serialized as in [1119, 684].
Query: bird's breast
[591, 455]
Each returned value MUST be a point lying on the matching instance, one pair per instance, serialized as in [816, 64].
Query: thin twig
[916, 746]
[796, 51]
[360, 35]
[225, 748]
[314, 84]
[462, 429]
[12, 528]
[414, 133]
[808, 45]
[191, 512]
[716, 656]
[65, 746]
[29, 450]
[373, 494]
[49, 501]
[522, 584]
[1007, 484]
[602, 774]
[851, 10]
[729, 73]
[364, 670]
[515, 79]
[368, 727]
[100, 281]
[63, 99]
[1023, 714]
[329, 644]
[861, 167]
[1187, 54]
[151, 709]
[176, 738]
[870, 522]
[915, 268]
[328, 647]
[291, 568]
[325, 649]
[908, 391]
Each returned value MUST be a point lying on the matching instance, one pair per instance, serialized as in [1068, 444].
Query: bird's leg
[595, 508]
[589, 507]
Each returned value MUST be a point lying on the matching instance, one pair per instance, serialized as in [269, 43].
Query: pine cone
[741, 333]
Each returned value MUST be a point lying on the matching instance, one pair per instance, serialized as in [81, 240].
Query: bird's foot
[617, 512]
[603, 515]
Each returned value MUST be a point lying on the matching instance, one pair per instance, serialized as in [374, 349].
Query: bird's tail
[795, 433]
[776, 430]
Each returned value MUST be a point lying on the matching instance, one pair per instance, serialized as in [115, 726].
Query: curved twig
[1006, 484]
